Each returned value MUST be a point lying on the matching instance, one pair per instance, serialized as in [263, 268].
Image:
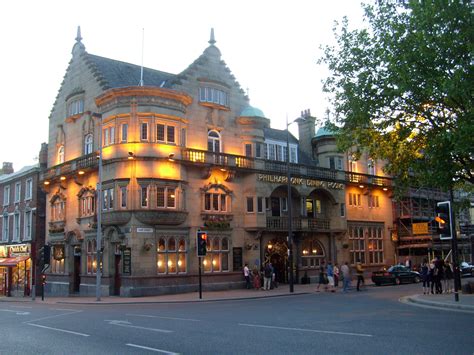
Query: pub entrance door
[77, 274]
[117, 279]
[276, 252]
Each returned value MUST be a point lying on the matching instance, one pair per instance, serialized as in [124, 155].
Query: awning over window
[12, 261]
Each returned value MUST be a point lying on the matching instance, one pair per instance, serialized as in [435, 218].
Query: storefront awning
[12, 261]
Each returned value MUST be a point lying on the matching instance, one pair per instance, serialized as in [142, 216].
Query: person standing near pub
[360, 275]
[247, 276]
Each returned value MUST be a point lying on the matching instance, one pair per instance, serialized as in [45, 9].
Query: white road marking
[149, 316]
[126, 324]
[55, 316]
[305, 330]
[18, 313]
[63, 309]
[58, 330]
[152, 349]
[21, 307]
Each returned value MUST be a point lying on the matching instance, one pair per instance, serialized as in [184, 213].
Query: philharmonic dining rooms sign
[279, 179]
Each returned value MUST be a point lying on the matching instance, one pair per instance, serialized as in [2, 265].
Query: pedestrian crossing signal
[201, 243]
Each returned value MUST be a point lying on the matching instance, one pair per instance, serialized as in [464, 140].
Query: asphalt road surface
[368, 322]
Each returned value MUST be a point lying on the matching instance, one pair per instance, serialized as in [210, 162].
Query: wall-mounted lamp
[171, 157]
[361, 186]
[131, 156]
[81, 172]
[62, 178]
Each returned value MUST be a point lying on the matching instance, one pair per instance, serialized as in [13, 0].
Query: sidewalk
[237, 294]
[445, 301]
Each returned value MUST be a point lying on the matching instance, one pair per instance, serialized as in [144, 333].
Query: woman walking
[448, 277]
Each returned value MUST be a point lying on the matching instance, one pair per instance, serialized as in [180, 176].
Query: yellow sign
[420, 228]
[19, 250]
[3, 251]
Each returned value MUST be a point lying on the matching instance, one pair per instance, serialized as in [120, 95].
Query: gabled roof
[278, 135]
[116, 74]
[23, 171]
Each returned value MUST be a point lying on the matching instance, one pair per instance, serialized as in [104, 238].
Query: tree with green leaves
[402, 89]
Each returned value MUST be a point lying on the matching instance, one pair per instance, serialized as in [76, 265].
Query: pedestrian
[322, 278]
[247, 276]
[438, 275]
[431, 275]
[448, 277]
[267, 276]
[256, 278]
[330, 276]
[336, 275]
[424, 272]
[360, 275]
[346, 276]
[408, 262]
[274, 278]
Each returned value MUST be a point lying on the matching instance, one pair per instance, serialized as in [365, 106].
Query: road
[368, 322]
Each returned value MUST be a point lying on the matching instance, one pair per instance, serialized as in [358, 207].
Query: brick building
[22, 228]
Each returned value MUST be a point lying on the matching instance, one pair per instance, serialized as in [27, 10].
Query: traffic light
[43, 279]
[46, 254]
[201, 243]
[443, 217]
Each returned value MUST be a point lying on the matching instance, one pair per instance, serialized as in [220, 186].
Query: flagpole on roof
[141, 69]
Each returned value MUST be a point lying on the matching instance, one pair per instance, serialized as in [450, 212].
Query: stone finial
[212, 41]
[78, 36]
[78, 47]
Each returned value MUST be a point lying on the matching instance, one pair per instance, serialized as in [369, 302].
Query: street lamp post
[98, 273]
[288, 202]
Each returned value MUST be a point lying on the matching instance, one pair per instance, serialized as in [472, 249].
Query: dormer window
[75, 106]
[214, 96]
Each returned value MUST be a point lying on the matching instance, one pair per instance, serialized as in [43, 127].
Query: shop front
[15, 270]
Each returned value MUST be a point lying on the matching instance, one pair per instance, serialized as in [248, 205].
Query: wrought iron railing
[298, 223]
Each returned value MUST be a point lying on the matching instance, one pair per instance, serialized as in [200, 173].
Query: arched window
[61, 154]
[213, 141]
[88, 140]
[171, 255]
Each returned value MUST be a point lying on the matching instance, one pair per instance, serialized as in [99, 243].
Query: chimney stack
[7, 168]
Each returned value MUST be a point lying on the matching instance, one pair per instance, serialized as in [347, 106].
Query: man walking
[346, 276]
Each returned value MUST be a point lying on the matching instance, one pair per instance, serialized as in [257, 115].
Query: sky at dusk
[271, 47]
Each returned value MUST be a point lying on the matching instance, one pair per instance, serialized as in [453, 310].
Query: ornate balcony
[71, 167]
[299, 223]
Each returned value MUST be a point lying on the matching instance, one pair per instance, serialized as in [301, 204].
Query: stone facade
[184, 153]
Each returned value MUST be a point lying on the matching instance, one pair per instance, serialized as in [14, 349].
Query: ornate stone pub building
[186, 152]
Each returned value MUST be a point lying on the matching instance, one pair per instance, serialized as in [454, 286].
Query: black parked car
[395, 275]
[467, 269]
